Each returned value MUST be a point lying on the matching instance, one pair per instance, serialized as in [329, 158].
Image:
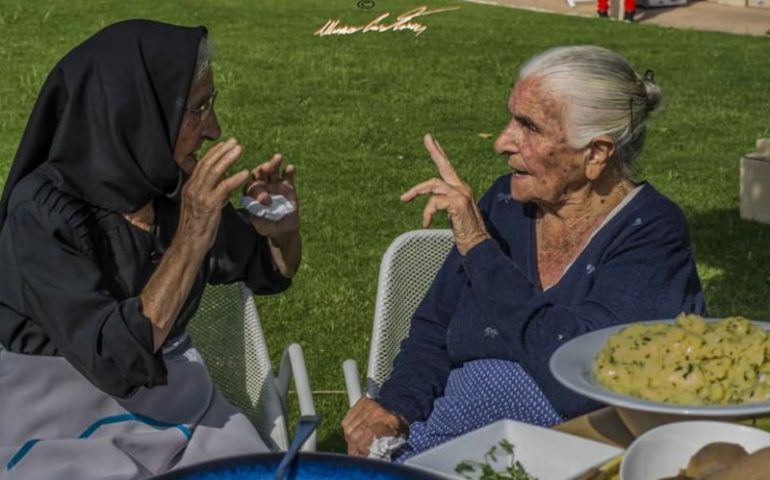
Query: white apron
[54, 424]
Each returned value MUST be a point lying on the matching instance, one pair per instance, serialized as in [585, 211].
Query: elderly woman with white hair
[565, 244]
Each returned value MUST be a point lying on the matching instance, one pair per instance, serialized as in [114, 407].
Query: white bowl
[544, 453]
[663, 451]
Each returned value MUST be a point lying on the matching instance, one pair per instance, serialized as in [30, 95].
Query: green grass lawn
[350, 112]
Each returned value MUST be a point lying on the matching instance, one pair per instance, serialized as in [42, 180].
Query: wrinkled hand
[208, 190]
[450, 193]
[267, 179]
[366, 420]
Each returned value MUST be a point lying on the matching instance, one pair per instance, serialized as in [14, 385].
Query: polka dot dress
[477, 394]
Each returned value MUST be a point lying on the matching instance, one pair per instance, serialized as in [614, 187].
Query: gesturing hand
[208, 190]
[267, 180]
[449, 193]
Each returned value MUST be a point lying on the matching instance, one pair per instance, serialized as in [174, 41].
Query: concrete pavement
[697, 14]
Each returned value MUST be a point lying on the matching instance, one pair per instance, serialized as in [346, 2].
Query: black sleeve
[63, 290]
[240, 254]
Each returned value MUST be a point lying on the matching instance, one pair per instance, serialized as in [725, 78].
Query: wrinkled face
[196, 127]
[546, 169]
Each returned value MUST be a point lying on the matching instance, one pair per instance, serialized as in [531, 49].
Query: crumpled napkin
[383, 448]
[279, 207]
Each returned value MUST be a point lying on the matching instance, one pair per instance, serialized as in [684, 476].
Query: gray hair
[604, 96]
[205, 55]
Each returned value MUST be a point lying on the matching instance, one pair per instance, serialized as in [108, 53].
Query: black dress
[82, 394]
[73, 274]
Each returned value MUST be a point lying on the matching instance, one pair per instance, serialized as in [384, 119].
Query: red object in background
[603, 5]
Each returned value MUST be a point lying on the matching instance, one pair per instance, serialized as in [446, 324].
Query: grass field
[350, 112]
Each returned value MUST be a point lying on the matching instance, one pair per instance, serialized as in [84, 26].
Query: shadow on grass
[733, 258]
[334, 442]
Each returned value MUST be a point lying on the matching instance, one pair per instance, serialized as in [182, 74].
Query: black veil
[105, 123]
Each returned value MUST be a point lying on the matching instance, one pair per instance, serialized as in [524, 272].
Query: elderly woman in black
[110, 228]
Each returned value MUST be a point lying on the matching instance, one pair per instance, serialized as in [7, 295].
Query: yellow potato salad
[689, 362]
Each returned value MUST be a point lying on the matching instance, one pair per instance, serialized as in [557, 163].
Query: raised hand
[267, 179]
[451, 194]
[203, 196]
[208, 190]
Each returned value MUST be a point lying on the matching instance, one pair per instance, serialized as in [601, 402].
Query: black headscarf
[105, 124]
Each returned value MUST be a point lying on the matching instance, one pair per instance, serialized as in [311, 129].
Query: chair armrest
[293, 367]
[352, 382]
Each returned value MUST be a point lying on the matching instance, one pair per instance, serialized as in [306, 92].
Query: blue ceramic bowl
[308, 466]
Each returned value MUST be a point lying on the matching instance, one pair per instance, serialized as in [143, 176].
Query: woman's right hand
[367, 420]
[207, 191]
[452, 194]
[203, 196]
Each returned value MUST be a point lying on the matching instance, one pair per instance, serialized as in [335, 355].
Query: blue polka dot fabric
[477, 394]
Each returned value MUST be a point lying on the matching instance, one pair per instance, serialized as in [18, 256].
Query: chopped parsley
[473, 470]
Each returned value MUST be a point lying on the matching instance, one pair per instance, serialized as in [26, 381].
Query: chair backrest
[227, 331]
[407, 270]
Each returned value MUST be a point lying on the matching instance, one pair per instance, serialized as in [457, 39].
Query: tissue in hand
[279, 207]
[382, 448]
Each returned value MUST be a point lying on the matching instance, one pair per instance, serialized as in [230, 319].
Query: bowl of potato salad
[660, 371]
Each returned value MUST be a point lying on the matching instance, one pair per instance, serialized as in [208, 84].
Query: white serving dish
[572, 365]
[544, 453]
[663, 451]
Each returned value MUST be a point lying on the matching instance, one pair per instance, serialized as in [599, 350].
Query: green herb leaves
[473, 470]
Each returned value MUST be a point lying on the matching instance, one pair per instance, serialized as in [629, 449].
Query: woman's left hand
[450, 193]
[267, 179]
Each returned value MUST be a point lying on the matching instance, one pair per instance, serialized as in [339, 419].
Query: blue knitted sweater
[488, 305]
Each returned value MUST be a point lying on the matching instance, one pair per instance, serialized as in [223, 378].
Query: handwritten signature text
[403, 22]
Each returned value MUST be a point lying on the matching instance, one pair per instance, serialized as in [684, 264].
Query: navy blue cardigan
[488, 304]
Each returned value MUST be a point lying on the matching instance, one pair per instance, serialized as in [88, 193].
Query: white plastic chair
[227, 331]
[407, 270]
